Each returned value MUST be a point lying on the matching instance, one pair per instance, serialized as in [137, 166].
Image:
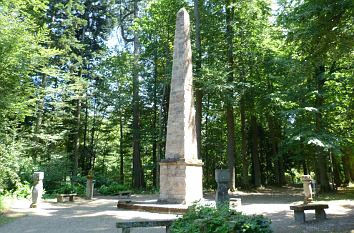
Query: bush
[68, 189]
[219, 220]
[22, 190]
[112, 189]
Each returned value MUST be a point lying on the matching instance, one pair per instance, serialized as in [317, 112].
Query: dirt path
[101, 214]
[275, 205]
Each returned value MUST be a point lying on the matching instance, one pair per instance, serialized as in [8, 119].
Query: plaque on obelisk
[181, 170]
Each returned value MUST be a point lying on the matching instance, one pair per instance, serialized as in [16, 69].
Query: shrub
[219, 220]
[22, 190]
[68, 188]
[112, 189]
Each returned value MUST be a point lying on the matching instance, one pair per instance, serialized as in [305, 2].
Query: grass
[343, 193]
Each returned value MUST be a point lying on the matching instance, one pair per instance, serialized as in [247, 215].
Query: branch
[122, 19]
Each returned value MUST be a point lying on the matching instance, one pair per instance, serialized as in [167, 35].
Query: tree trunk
[348, 165]
[245, 163]
[77, 140]
[255, 153]
[87, 157]
[198, 91]
[39, 119]
[321, 157]
[229, 108]
[121, 151]
[138, 176]
[155, 132]
[92, 152]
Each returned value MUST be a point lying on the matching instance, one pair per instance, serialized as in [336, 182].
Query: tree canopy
[84, 89]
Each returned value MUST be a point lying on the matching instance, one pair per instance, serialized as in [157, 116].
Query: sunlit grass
[342, 193]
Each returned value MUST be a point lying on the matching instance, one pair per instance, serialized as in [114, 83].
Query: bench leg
[126, 230]
[168, 229]
[71, 198]
[299, 216]
[60, 199]
[320, 214]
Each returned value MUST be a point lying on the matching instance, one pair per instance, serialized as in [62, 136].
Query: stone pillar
[181, 171]
[222, 178]
[89, 188]
[306, 179]
[37, 189]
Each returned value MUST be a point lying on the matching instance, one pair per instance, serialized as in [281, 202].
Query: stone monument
[222, 178]
[37, 189]
[89, 186]
[181, 170]
[306, 179]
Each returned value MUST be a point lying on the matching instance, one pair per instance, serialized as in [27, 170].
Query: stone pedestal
[222, 178]
[37, 189]
[306, 179]
[89, 188]
[180, 181]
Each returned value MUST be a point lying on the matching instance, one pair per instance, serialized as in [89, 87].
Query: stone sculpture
[37, 189]
[306, 179]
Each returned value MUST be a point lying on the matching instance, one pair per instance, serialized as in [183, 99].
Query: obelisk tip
[182, 11]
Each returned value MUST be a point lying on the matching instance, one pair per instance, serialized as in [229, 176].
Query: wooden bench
[299, 211]
[60, 197]
[124, 194]
[127, 224]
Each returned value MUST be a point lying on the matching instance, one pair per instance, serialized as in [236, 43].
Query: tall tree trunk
[87, 156]
[92, 139]
[77, 139]
[255, 153]
[274, 131]
[138, 175]
[121, 151]
[322, 156]
[155, 132]
[39, 117]
[245, 162]
[160, 135]
[230, 121]
[348, 166]
[198, 91]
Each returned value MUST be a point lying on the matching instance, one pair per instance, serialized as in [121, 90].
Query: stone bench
[60, 197]
[124, 194]
[299, 211]
[127, 224]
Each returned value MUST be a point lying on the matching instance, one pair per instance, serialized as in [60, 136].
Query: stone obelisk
[181, 170]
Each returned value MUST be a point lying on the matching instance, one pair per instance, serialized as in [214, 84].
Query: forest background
[84, 90]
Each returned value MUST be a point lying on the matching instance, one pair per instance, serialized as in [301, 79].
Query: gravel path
[101, 214]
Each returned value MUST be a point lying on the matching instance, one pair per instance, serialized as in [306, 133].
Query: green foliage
[112, 188]
[208, 220]
[55, 172]
[68, 189]
[23, 190]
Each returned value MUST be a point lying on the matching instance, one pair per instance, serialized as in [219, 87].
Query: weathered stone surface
[181, 135]
[181, 171]
[306, 179]
[89, 188]
[37, 189]
[222, 179]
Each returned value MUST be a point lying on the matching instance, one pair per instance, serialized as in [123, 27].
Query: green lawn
[346, 193]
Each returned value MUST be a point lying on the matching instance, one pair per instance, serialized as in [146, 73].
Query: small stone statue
[306, 179]
[37, 189]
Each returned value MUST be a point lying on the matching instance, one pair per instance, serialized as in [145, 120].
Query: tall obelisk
[181, 170]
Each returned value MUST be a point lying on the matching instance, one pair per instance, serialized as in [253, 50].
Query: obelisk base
[180, 181]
